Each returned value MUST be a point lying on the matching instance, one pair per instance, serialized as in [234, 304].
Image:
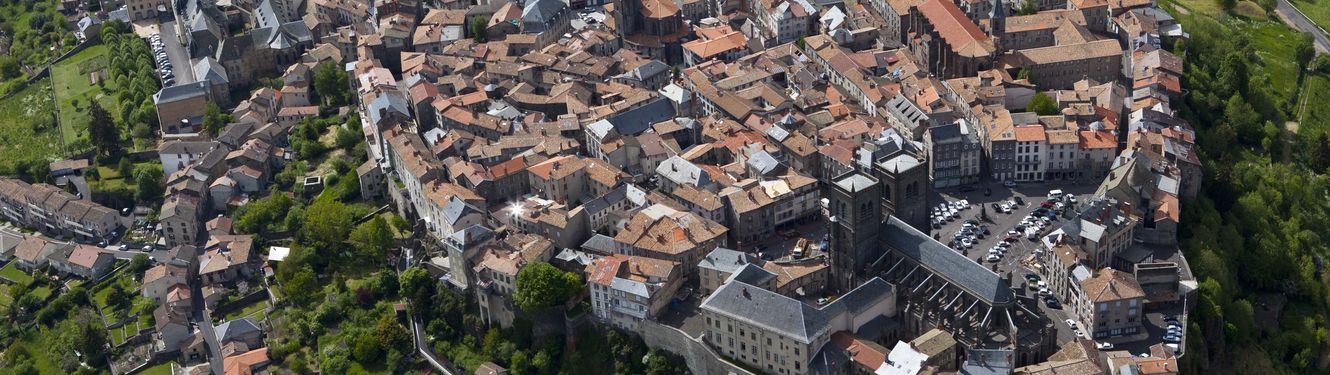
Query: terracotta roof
[557, 167]
[85, 256]
[1030, 133]
[30, 249]
[956, 29]
[659, 8]
[1097, 140]
[1111, 285]
[864, 352]
[661, 229]
[1072, 52]
[244, 364]
[706, 48]
[1063, 136]
[703, 199]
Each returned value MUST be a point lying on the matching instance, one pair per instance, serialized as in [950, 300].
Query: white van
[1055, 194]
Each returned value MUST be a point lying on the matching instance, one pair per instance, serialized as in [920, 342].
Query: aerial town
[785, 187]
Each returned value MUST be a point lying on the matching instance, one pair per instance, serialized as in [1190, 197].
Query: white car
[967, 242]
[1006, 209]
[965, 203]
[1070, 323]
[993, 258]
[1103, 345]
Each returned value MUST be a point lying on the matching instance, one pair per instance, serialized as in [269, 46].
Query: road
[177, 53]
[1294, 17]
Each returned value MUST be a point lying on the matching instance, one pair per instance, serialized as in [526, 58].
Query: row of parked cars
[947, 211]
[163, 63]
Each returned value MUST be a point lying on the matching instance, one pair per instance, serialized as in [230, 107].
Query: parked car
[1018, 200]
[993, 258]
[1103, 345]
[1172, 339]
[1009, 183]
[1052, 303]
[1071, 323]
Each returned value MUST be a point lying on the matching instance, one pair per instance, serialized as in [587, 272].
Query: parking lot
[176, 54]
[981, 211]
[1019, 256]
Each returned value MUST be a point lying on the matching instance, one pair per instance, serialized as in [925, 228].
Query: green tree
[1042, 104]
[347, 139]
[366, 349]
[326, 224]
[214, 119]
[125, 168]
[416, 285]
[102, 129]
[302, 288]
[1028, 7]
[1304, 50]
[150, 181]
[519, 362]
[117, 296]
[1319, 153]
[9, 67]
[1243, 118]
[330, 83]
[372, 239]
[392, 336]
[139, 264]
[540, 286]
[478, 28]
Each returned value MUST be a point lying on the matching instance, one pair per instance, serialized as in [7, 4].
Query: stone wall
[700, 358]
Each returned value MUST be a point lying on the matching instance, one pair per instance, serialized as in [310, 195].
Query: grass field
[41, 292]
[12, 273]
[162, 369]
[28, 130]
[253, 310]
[74, 89]
[1275, 52]
[1250, 10]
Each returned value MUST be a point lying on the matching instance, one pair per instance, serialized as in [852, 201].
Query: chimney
[746, 295]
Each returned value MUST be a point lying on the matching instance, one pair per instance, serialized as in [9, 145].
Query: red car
[1011, 239]
[1046, 204]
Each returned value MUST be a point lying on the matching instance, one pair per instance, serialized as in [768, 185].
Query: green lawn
[1204, 7]
[74, 89]
[117, 336]
[254, 310]
[5, 299]
[12, 273]
[1275, 51]
[162, 369]
[41, 292]
[1317, 10]
[28, 130]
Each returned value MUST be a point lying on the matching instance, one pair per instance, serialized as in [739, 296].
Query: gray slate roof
[600, 244]
[180, 92]
[539, 14]
[232, 329]
[788, 316]
[855, 182]
[637, 120]
[945, 262]
[208, 69]
[682, 171]
[763, 163]
[725, 260]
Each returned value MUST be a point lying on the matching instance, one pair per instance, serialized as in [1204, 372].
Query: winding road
[1295, 18]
